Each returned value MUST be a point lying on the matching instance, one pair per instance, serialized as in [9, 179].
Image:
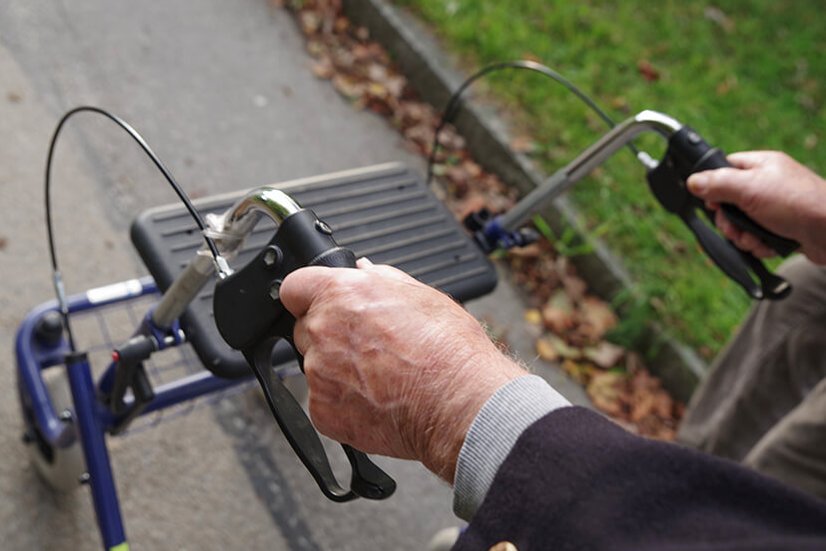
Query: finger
[753, 244]
[390, 272]
[742, 240]
[367, 265]
[725, 226]
[749, 242]
[764, 251]
[748, 159]
[302, 287]
[721, 185]
[364, 263]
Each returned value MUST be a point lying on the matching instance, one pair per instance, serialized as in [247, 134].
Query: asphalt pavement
[223, 92]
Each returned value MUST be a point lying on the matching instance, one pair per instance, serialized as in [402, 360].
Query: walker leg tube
[92, 434]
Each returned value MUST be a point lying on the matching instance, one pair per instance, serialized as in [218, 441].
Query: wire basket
[101, 329]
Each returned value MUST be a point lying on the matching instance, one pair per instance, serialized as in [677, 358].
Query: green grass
[751, 80]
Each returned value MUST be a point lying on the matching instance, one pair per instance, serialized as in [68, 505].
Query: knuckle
[313, 327]
[310, 372]
[779, 159]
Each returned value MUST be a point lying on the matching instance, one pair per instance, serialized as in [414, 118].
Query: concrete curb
[434, 78]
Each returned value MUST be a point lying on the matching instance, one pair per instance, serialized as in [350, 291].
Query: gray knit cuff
[500, 422]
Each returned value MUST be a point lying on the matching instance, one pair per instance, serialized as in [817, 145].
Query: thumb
[302, 287]
[721, 185]
[386, 271]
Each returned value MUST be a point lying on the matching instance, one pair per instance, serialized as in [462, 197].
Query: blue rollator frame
[92, 420]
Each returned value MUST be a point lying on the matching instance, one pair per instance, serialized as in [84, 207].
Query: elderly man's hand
[394, 367]
[774, 190]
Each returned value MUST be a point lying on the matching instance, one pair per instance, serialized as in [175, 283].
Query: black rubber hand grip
[693, 154]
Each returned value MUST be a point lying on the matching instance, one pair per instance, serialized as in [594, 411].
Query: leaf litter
[570, 323]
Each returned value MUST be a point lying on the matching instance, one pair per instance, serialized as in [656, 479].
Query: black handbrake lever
[251, 318]
[687, 154]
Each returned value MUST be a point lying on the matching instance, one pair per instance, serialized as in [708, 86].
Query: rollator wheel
[60, 468]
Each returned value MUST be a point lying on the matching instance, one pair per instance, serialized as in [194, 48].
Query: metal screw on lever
[275, 290]
[272, 256]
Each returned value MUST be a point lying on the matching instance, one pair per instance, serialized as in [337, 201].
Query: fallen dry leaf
[605, 354]
[323, 68]
[531, 251]
[546, 350]
[524, 145]
[579, 372]
[558, 313]
[362, 33]
[575, 287]
[532, 315]
[606, 391]
[642, 407]
[348, 87]
[648, 71]
[342, 24]
[596, 318]
[554, 348]
[310, 22]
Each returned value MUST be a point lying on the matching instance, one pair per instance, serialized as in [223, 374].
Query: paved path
[222, 92]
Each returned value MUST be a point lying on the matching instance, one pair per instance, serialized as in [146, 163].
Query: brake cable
[57, 279]
[453, 104]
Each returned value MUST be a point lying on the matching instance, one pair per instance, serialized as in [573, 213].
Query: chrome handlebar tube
[588, 160]
[229, 231]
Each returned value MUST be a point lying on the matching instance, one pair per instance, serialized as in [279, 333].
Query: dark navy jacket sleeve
[574, 480]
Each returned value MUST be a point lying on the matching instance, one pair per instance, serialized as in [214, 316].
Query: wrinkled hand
[774, 190]
[394, 367]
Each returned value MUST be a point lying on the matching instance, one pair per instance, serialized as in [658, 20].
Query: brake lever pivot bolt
[323, 227]
[272, 256]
